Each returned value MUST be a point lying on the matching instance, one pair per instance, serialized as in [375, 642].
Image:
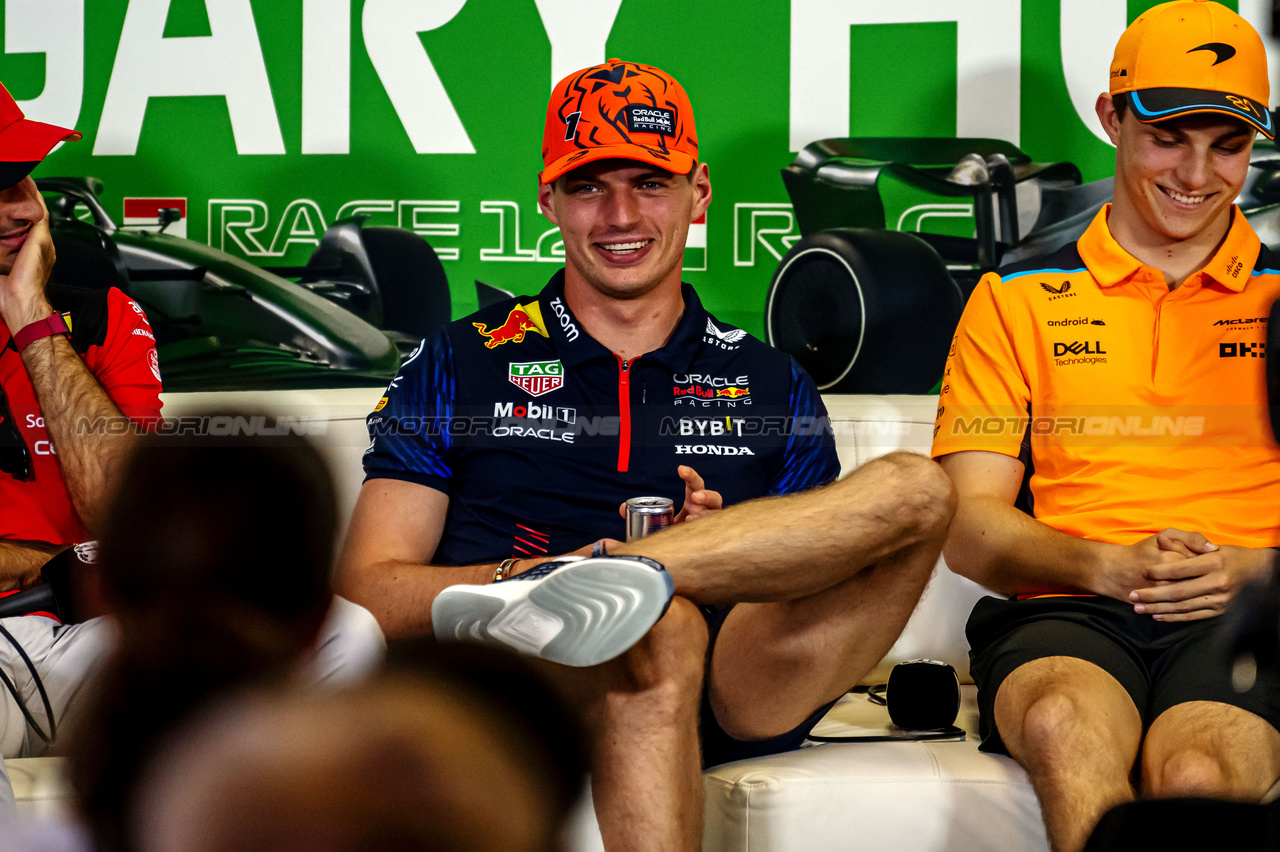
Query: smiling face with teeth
[624, 224]
[1175, 182]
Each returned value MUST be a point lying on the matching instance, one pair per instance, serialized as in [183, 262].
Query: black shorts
[1158, 663]
[717, 746]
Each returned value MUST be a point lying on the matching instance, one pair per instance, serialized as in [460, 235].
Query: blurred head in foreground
[215, 559]
[407, 763]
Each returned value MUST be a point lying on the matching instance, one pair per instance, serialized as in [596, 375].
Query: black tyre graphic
[864, 311]
[411, 280]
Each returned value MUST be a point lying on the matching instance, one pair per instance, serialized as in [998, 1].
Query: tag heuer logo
[536, 377]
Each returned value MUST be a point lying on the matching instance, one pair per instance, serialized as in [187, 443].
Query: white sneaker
[575, 611]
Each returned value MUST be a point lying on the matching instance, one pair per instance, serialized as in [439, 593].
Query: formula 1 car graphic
[362, 302]
[896, 233]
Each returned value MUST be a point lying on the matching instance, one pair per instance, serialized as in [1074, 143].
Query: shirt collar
[1110, 264]
[1233, 263]
[575, 346]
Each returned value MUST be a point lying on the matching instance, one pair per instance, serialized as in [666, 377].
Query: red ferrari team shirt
[110, 333]
[1135, 407]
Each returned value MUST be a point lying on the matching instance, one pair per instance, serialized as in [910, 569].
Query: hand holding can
[646, 515]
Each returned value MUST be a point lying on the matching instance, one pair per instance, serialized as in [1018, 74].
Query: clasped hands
[1178, 575]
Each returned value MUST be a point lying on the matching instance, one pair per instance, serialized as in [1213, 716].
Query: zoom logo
[1075, 347]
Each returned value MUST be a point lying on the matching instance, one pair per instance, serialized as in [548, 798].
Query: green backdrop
[238, 106]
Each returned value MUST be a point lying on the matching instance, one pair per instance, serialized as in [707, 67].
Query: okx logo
[536, 377]
[1242, 350]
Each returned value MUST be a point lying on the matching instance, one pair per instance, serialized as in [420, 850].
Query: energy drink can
[647, 515]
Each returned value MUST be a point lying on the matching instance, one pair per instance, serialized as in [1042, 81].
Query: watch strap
[38, 330]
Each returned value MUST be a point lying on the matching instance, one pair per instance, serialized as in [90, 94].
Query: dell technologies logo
[1075, 347]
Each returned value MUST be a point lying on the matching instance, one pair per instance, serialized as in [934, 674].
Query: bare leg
[1205, 748]
[834, 572]
[775, 662]
[786, 548]
[1076, 731]
[642, 710]
[830, 578]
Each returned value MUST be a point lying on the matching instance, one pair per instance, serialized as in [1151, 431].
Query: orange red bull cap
[1193, 56]
[23, 142]
[619, 110]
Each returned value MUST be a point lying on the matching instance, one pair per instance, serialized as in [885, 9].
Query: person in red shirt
[1123, 377]
[72, 362]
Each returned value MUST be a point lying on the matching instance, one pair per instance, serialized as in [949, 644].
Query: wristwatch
[38, 330]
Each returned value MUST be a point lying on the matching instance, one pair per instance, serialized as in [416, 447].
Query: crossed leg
[824, 586]
[641, 710]
[826, 580]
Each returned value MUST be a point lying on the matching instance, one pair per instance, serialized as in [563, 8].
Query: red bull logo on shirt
[523, 318]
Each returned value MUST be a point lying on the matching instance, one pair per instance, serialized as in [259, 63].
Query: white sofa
[922, 797]
[908, 796]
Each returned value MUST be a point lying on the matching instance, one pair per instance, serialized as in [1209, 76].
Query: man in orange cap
[518, 432]
[1123, 379]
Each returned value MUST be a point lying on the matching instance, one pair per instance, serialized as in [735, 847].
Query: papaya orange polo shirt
[1141, 408]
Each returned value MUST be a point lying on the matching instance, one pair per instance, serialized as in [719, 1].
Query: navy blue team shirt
[537, 432]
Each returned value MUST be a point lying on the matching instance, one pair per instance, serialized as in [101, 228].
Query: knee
[1185, 772]
[1050, 726]
[670, 660]
[925, 489]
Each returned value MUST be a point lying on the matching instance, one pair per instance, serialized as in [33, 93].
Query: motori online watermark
[706, 426]
[1097, 425]
[218, 425]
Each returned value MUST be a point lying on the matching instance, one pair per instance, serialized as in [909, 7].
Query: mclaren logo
[1220, 50]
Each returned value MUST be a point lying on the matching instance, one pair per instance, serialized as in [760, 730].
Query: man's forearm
[20, 562]
[1005, 550]
[68, 394]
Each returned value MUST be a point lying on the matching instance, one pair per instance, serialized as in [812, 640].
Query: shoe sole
[582, 614]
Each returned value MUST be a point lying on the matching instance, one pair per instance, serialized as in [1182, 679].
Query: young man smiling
[1153, 478]
[518, 431]
[67, 355]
